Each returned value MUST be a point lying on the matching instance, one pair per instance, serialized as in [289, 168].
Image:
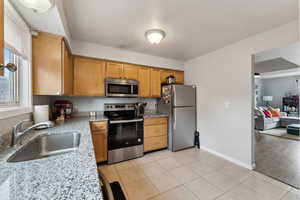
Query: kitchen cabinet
[179, 76]
[130, 72]
[164, 74]
[144, 81]
[89, 75]
[155, 133]
[99, 135]
[114, 70]
[51, 65]
[1, 35]
[155, 82]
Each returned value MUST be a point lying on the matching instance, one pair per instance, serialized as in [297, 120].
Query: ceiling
[193, 27]
[276, 64]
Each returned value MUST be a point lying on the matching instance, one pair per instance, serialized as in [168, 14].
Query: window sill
[7, 112]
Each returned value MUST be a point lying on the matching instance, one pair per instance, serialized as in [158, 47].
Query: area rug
[280, 132]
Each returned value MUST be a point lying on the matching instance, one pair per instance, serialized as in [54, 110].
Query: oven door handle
[125, 121]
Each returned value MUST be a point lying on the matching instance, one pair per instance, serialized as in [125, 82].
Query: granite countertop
[67, 176]
[153, 113]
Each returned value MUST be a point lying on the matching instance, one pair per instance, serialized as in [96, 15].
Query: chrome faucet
[17, 132]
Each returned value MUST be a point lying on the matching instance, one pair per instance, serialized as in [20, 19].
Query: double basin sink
[46, 145]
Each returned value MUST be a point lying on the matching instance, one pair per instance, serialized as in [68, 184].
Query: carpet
[280, 132]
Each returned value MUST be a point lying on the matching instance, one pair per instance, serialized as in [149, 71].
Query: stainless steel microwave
[121, 87]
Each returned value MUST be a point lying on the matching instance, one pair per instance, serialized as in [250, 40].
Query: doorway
[276, 139]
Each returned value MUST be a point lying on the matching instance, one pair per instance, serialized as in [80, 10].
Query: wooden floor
[193, 175]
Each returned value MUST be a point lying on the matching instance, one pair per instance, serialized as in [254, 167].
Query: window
[9, 83]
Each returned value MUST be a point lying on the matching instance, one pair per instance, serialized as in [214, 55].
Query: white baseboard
[233, 160]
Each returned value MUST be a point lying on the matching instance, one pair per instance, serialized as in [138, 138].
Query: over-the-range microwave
[121, 87]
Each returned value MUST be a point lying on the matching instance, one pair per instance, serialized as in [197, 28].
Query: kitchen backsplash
[86, 104]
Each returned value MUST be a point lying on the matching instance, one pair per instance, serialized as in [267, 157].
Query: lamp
[155, 36]
[39, 6]
[267, 99]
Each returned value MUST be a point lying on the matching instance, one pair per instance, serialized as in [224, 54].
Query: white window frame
[25, 77]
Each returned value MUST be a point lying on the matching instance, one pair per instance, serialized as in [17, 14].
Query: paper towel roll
[40, 113]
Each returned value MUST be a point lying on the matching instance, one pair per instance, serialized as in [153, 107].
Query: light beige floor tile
[236, 171]
[178, 193]
[141, 190]
[264, 189]
[143, 160]
[124, 165]
[131, 174]
[240, 193]
[184, 158]
[152, 169]
[168, 163]
[203, 168]
[292, 194]
[184, 174]
[221, 180]
[109, 172]
[271, 180]
[203, 189]
[162, 154]
[164, 182]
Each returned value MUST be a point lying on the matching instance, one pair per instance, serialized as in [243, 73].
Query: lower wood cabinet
[155, 133]
[99, 135]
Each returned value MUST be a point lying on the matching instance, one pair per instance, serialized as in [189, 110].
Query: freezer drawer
[184, 127]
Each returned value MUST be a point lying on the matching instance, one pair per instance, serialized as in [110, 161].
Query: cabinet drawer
[99, 126]
[155, 130]
[155, 121]
[154, 143]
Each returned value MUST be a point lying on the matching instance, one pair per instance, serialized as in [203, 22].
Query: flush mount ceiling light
[155, 36]
[39, 6]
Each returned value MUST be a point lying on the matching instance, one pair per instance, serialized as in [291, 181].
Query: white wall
[224, 91]
[110, 53]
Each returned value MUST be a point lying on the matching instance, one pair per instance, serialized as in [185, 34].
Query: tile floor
[279, 158]
[193, 175]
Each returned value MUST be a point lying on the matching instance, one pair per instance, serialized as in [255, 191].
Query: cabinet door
[164, 74]
[68, 73]
[100, 146]
[47, 64]
[144, 82]
[130, 72]
[155, 82]
[1, 35]
[179, 77]
[88, 77]
[114, 70]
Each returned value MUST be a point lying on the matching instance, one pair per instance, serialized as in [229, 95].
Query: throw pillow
[267, 113]
[275, 113]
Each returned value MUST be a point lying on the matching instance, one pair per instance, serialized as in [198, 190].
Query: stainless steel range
[125, 132]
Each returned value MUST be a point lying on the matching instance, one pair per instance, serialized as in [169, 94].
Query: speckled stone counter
[66, 176]
[150, 114]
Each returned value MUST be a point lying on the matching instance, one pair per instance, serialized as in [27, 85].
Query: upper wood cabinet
[1, 35]
[164, 74]
[130, 71]
[155, 82]
[179, 76]
[114, 70]
[144, 81]
[51, 65]
[89, 75]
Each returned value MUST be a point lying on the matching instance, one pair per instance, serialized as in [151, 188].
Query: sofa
[264, 123]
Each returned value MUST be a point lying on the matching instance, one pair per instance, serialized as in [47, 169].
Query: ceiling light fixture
[39, 6]
[155, 36]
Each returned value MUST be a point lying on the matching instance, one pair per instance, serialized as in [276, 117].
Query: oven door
[125, 133]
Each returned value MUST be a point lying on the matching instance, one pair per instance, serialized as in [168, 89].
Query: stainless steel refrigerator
[179, 102]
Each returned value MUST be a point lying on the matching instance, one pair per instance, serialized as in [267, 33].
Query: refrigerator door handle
[174, 122]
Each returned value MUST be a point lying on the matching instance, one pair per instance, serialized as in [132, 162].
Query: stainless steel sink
[46, 145]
